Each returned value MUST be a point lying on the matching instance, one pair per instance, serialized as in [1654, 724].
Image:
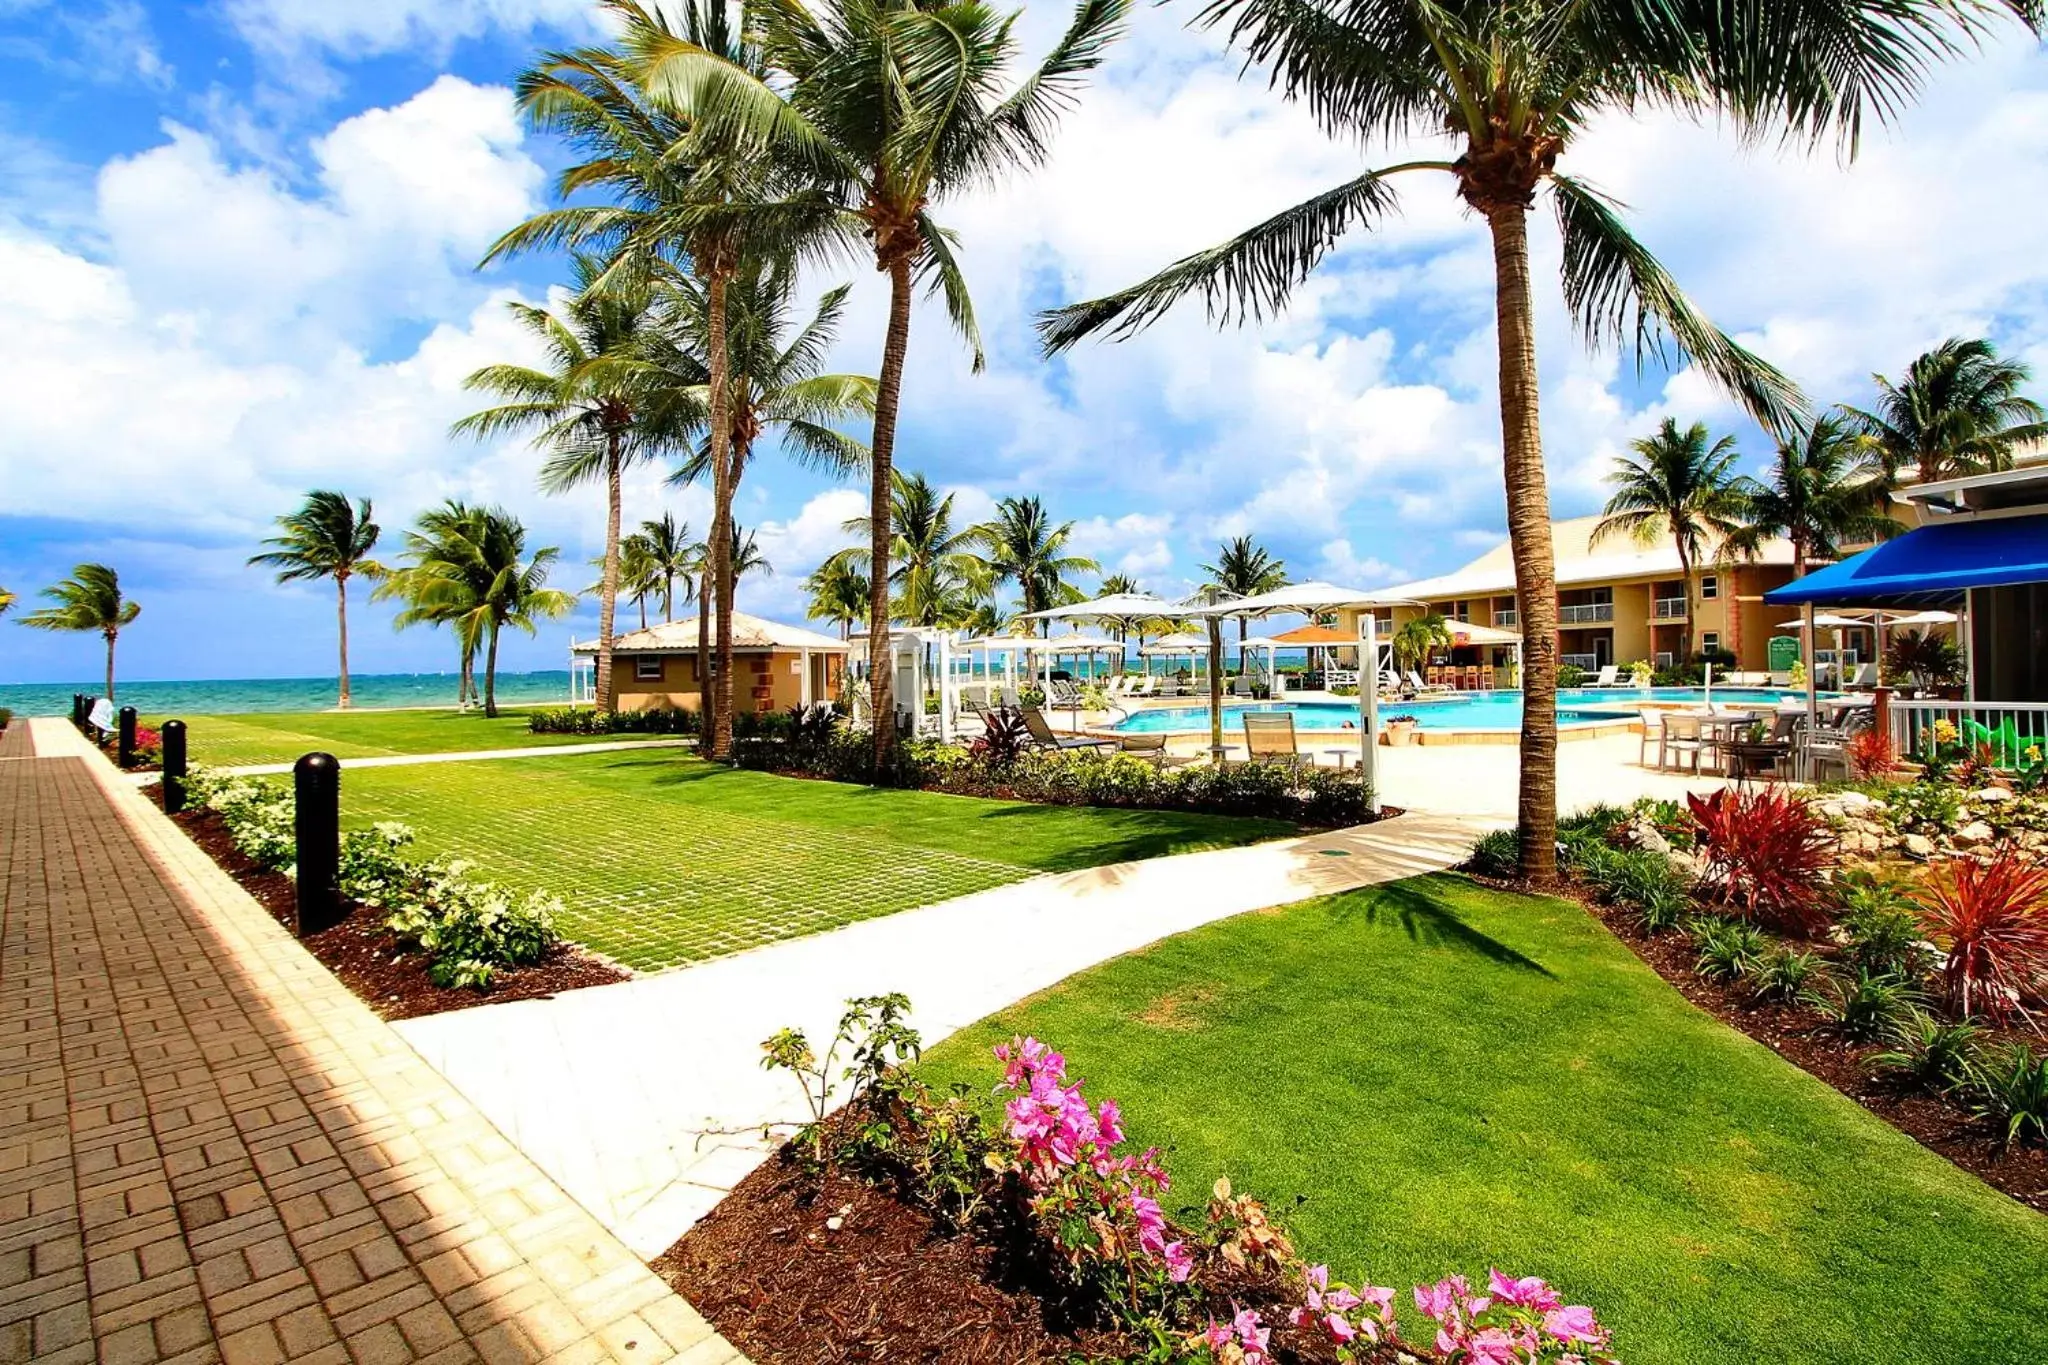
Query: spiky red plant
[1765, 855]
[1871, 753]
[1992, 921]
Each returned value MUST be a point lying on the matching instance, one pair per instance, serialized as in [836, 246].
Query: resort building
[775, 666]
[1619, 600]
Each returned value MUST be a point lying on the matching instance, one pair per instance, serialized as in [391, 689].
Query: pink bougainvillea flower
[1490, 1346]
[1529, 1292]
[1339, 1327]
[1109, 1123]
[1179, 1263]
[1574, 1323]
[1442, 1299]
[1218, 1336]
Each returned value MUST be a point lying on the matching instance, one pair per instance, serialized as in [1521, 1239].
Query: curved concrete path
[646, 1100]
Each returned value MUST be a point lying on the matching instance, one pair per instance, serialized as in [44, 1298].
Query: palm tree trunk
[642, 600]
[608, 591]
[1528, 500]
[728, 589]
[704, 652]
[721, 508]
[341, 610]
[668, 596]
[1685, 626]
[110, 663]
[888, 393]
[491, 675]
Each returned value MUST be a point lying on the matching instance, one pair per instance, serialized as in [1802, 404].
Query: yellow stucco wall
[761, 681]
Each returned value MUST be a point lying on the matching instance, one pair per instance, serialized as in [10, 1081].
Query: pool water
[1466, 711]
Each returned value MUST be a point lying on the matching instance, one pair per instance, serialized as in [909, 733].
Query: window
[647, 667]
[1710, 587]
[1710, 641]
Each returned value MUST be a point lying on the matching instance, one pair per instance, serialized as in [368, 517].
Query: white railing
[1669, 609]
[1579, 613]
[2009, 727]
[1507, 620]
[1589, 662]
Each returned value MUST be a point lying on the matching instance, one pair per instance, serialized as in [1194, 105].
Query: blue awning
[1930, 566]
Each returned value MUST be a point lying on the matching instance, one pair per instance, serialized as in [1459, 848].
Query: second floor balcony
[1585, 613]
[1669, 609]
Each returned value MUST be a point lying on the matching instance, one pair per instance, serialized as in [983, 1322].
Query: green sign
[1783, 652]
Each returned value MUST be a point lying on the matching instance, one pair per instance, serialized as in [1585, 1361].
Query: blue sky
[237, 243]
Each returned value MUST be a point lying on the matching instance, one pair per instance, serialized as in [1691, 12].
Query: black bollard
[127, 737]
[316, 791]
[174, 766]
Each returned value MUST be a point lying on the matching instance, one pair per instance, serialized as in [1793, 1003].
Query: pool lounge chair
[1269, 738]
[1241, 686]
[1609, 677]
[1865, 679]
[1421, 684]
[1043, 737]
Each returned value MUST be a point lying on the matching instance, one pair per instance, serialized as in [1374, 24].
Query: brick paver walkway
[210, 1150]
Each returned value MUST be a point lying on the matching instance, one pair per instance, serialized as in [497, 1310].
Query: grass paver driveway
[664, 859]
[1448, 1077]
[280, 737]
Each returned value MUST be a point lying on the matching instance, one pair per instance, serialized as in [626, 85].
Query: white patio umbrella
[1174, 645]
[1076, 643]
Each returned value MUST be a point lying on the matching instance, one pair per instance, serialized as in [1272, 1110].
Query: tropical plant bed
[371, 961]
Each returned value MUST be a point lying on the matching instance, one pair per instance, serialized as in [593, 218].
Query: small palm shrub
[1785, 975]
[812, 726]
[1497, 854]
[1930, 1052]
[1766, 855]
[2009, 1089]
[1867, 1006]
[1879, 929]
[1991, 919]
[1728, 949]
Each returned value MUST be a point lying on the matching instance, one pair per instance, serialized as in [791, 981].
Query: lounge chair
[1242, 686]
[1142, 688]
[1269, 738]
[1865, 679]
[1043, 737]
[1609, 677]
[1151, 748]
[1416, 681]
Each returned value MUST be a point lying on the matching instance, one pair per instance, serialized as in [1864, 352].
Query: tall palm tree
[1958, 411]
[1414, 641]
[326, 538]
[931, 561]
[7, 600]
[583, 409]
[1509, 86]
[1023, 546]
[1244, 568]
[1677, 485]
[669, 554]
[88, 600]
[896, 106]
[445, 525]
[1120, 584]
[638, 579]
[469, 567]
[838, 594]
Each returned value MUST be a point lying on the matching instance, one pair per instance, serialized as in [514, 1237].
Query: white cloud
[361, 28]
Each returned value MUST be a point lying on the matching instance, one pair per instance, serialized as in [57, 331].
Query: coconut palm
[838, 594]
[469, 567]
[326, 538]
[1680, 484]
[88, 600]
[1958, 411]
[1245, 568]
[7, 600]
[583, 408]
[1416, 640]
[896, 107]
[1023, 546]
[932, 564]
[637, 579]
[1509, 86]
[669, 556]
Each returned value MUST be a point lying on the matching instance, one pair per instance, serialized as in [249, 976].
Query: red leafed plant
[1871, 753]
[1765, 854]
[1992, 921]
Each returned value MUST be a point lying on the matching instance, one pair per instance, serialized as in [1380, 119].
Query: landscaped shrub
[1786, 975]
[2009, 1089]
[1767, 854]
[1930, 1052]
[1003, 739]
[1728, 949]
[257, 814]
[1924, 807]
[6, 717]
[1991, 919]
[1497, 853]
[582, 720]
[1878, 926]
[1867, 1006]
[1870, 753]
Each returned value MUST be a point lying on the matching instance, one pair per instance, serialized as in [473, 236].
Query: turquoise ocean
[226, 696]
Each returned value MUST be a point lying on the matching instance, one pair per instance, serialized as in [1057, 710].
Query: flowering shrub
[1767, 854]
[257, 814]
[1991, 919]
[1516, 1322]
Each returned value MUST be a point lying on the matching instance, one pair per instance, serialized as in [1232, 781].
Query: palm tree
[894, 107]
[838, 594]
[1118, 585]
[583, 408]
[932, 564]
[1244, 568]
[326, 538]
[1415, 640]
[470, 568]
[433, 529]
[637, 579]
[88, 600]
[1958, 411]
[670, 555]
[6, 601]
[1022, 546]
[1510, 85]
[1677, 485]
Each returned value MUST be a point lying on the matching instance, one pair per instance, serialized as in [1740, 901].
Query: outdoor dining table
[1719, 729]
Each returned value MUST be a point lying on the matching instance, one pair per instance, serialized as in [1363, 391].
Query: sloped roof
[748, 633]
[1578, 561]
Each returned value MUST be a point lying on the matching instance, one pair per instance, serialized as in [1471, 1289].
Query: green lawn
[1449, 1077]
[281, 737]
[664, 859]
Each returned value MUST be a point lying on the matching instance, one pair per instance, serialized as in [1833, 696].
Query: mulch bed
[1806, 1039]
[371, 962]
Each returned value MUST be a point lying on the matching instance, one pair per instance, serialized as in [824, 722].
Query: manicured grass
[1449, 1077]
[664, 859]
[225, 741]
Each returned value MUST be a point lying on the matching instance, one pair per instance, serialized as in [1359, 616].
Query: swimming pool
[1465, 711]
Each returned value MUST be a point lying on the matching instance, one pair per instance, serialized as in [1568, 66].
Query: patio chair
[1043, 737]
[1151, 748]
[1269, 738]
[1652, 738]
[1681, 736]
[1609, 676]
[1865, 679]
[1144, 687]
[1065, 695]
[1241, 686]
[1416, 681]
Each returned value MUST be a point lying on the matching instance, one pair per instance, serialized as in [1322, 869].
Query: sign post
[1369, 708]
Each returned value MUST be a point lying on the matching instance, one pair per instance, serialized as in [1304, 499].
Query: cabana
[1180, 644]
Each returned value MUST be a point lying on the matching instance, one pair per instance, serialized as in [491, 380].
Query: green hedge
[580, 720]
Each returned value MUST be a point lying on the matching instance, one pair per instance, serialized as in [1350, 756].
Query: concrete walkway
[646, 1100]
[211, 1151]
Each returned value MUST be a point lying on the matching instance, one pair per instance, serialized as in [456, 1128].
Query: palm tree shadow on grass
[1427, 921]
